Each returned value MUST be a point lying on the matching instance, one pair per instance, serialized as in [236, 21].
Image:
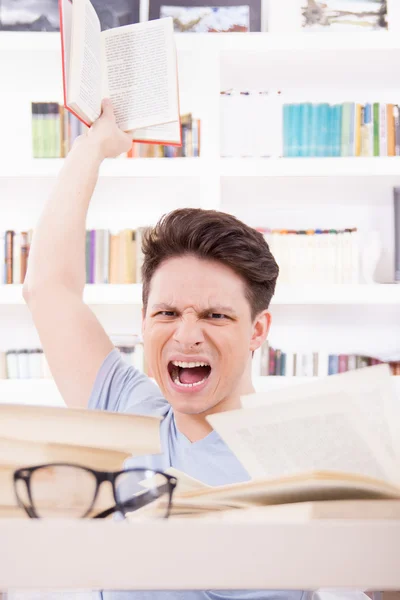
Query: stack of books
[35, 435]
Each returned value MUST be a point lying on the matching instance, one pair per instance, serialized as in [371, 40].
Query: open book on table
[133, 65]
[333, 439]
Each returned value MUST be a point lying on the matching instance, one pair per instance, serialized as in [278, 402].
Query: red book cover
[271, 362]
[343, 363]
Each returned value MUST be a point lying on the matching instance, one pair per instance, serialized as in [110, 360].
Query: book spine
[337, 129]
[323, 141]
[333, 364]
[278, 358]
[397, 234]
[9, 256]
[295, 141]
[24, 255]
[16, 275]
[376, 128]
[383, 134]
[345, 135]
[342, 363]
[352, 130]
[87, 256]
[314, 130]
[2, 257]
[357, 129]
[396, 113]
[92, 265]
[391, 142]
[271, 361]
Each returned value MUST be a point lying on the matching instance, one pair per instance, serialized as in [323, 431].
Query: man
[207, 283]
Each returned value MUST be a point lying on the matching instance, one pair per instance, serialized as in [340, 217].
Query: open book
[133, 65]
[333, 439]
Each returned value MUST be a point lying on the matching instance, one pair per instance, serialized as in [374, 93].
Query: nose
[188, 332]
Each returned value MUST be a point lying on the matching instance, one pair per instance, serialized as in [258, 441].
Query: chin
[189, 406]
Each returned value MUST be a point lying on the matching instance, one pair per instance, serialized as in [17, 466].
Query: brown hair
[212, 235]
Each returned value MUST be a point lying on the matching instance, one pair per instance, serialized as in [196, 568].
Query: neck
[196, 427]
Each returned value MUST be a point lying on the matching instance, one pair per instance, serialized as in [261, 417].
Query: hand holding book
[108, 138]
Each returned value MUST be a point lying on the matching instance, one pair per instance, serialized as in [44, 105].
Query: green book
[34, 108]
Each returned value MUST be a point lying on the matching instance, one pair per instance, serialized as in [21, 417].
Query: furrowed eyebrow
[216, 309]
[164, 306]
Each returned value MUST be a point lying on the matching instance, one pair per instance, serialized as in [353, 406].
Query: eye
[218, 316]
[165, 313]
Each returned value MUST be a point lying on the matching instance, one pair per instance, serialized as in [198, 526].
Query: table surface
[199, 554]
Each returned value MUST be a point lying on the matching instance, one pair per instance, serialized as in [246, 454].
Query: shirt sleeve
[119, 387]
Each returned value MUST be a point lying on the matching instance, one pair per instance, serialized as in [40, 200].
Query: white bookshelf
[335, 294]
[224, 167]
[295, 193]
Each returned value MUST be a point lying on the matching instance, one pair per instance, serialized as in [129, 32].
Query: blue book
[306, 130]
[333, 364]
[295, 130]
[314, 130]
[352, 133]
[323, 130]
[337, 130]
[287, 110]
[330, 129]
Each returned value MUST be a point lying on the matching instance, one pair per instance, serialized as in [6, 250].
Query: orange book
[9, 256]
[391, 134]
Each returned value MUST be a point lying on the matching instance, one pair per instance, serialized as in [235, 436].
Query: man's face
[198, 333]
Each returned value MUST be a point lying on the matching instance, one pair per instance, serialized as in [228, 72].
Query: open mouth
[188, 374]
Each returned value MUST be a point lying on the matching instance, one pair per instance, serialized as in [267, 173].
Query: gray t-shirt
[121, 388]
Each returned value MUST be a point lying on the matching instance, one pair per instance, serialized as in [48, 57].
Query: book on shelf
[133, 65]
[321, 256]
[338, 130]
[31, 363]
[54, 130]
[269, 361]
[397, 235]
[335, 439]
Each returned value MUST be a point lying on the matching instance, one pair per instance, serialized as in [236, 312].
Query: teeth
[188, 385]
[189, 365]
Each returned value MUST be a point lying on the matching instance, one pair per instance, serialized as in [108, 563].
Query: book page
[370, 390]
[169, 132]
[140, 73]
[66, 28]
[84, 82]
[283, 439]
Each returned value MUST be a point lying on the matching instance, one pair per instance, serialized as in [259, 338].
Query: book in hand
[133, 65]
[329, 440]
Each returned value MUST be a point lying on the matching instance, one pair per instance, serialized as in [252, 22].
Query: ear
[260, 331]
[143, 321]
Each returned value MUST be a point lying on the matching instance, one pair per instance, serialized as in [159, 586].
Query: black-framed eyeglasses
[73, 491]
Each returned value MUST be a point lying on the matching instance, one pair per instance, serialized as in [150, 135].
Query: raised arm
[74, 342]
